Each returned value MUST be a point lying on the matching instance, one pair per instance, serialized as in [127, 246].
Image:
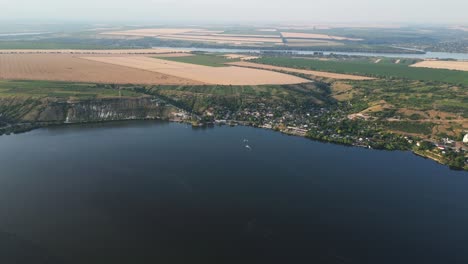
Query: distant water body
[153, 192]
[21, 34]
[427, 55]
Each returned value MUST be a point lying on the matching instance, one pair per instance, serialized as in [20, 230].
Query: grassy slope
[414, 95]
[204, 95]
[247, 90]
[386, 70]
[199, 98]
[39, 89]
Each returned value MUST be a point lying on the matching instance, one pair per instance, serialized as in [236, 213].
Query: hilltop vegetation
[201, 98]
[191, 98]
[416, 95]
[414, 107]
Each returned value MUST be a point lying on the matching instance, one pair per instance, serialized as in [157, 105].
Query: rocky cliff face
[116, 109]
[93, 110]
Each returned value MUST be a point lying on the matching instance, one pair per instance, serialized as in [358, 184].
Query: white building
[465, 139]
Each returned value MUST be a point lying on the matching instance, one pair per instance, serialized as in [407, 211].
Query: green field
[246, 90]
[410, 127]
[382, 70]
[202, 59]
[40, 89]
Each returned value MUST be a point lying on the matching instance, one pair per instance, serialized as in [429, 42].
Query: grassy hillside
[40, 89]
[200, 98]
[414, 95]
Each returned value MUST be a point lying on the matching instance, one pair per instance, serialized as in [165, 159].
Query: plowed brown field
[64, 67]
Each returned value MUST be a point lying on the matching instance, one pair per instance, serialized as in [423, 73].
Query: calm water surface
[149, 192]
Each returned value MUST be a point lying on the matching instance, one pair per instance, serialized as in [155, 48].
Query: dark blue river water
[151, 192]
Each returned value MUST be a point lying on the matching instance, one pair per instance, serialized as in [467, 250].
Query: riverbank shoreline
[28, 127]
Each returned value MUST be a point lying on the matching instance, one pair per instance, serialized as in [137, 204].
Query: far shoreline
[31, 127]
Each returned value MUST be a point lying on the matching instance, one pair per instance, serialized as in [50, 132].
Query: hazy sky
[396, 11]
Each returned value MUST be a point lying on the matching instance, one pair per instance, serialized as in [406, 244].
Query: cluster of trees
[18, 128]
[456, 160]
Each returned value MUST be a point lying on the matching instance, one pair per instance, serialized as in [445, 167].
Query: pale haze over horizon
[218, 11]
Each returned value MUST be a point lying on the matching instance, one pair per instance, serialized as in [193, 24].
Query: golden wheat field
[66, 67]
[229, 75]
[449, 65]
[131, 69]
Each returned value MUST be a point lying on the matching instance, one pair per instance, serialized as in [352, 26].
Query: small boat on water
[248, 147]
